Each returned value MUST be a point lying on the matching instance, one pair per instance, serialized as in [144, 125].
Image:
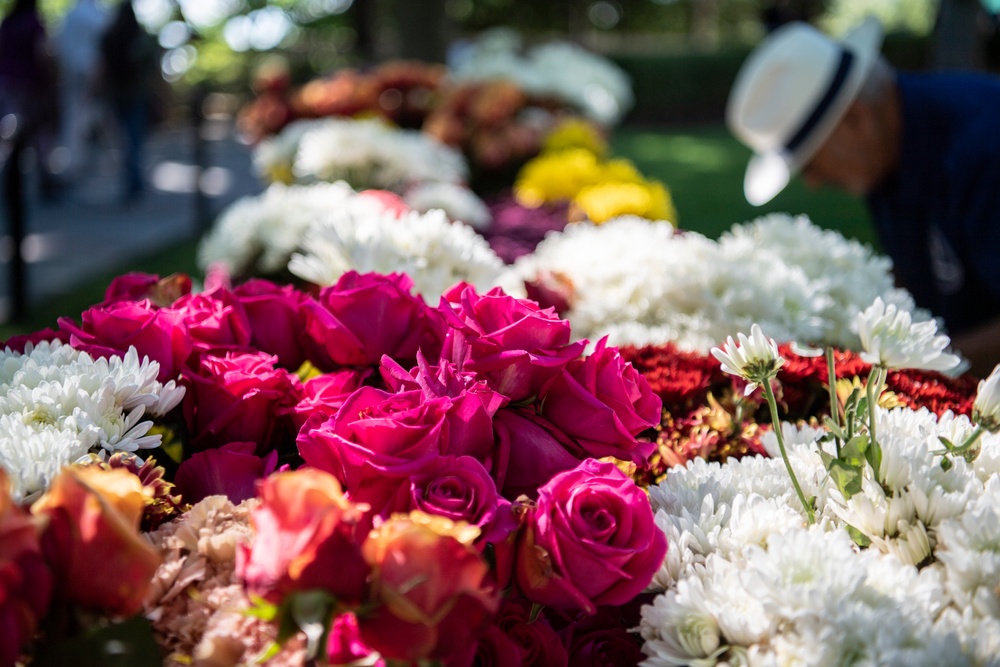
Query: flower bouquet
[453, 485]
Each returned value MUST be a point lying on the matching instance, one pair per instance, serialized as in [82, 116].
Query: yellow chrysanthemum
[554, 177]
[575, 133]
[604, 201]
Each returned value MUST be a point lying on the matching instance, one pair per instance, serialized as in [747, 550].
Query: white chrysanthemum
[367, 153]
[457, 201]
[566, 71]
[58, 405]
[435, 252]
[986, 409]
[798, 282]
[969, 548]
[274, 157]
[755, 358]
[258, 234]
[890, 338]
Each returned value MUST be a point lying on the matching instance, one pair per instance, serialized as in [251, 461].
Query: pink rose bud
[515, 345]
[590, 540]
[216, 321]
[339, 321]
[231, 470]
[238, 398]
[110, 330]
[277, 321]
[602, 402]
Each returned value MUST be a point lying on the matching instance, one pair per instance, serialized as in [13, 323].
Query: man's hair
[880, 79]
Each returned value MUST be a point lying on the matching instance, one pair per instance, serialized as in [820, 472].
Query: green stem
[970, 441]
[831, 384]
[875, 448]
[776, 425]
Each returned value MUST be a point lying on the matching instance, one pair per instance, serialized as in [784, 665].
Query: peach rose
[92, 538]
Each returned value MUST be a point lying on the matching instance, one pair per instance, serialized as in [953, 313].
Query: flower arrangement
[436, 485]
[796, 280]
[592, 84]
[871, 530]
[319, 231]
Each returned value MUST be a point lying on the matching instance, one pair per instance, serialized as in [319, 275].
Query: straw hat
[789, 95]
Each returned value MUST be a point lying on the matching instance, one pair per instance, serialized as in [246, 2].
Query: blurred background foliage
[223, 41]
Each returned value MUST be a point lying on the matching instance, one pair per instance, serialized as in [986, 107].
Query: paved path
[88, 231]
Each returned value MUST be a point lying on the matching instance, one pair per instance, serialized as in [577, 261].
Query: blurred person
[130, 68]
[28, 84]
[77, 45]
[922, 149]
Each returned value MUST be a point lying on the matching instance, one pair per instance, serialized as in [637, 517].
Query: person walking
[130, 68]
[77, 44]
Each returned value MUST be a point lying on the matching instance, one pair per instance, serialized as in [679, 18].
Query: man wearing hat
[923, 149]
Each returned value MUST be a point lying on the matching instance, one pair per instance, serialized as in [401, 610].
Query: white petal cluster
[367, 153]
[457, 201]
[591, 83]
[58, 405]
[434, 251]
[274, 157]
[745, 581]
[649, 285]
[258, 234]
[891, 338]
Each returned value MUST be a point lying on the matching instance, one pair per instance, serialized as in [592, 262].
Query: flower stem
[876, 449]
[831, 384]
[970, 441]
[776, 425]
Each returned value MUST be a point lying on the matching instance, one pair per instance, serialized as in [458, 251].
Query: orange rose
[305, 539]
[432, 586]
[25, 581]
[92, 538]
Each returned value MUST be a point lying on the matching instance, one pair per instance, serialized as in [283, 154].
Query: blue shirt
[938, 216]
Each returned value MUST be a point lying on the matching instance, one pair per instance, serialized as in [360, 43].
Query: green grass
[702, 167]
[176, 259]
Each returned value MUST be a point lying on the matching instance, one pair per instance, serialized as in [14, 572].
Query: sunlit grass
[704, 170]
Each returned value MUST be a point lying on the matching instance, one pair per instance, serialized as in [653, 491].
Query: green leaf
[859, 538]
[126, 644]
[261, 608]
[536, 609]
[948, 444]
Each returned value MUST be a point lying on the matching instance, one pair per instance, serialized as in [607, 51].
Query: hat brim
[767, 174]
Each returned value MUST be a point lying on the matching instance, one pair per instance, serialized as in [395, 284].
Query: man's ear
[860, 118]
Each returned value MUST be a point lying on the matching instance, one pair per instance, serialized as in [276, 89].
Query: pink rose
[473, 403]
[495, 649]
[305, 540]
[277, 321]
[341, 320]
[529, 451]
[515, 345]
[25, 580]
[459, 488]
[92, 526]
[159, 334]
[324, 394]
[138, 286]
[433, 587]
[589, 540]
[216, 321]
[376, 441]
[603, 403]
[238, 398]
[231, 470]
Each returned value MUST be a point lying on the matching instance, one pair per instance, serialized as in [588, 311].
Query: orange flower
[25, 581]
[92, 538]
[305, 539]
[432, 586]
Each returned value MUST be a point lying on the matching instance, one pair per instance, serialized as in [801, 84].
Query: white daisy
[890, 338]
